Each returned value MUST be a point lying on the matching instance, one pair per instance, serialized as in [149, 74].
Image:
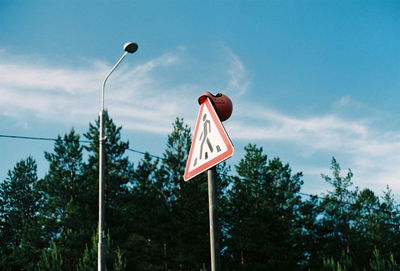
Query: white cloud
[345, 100]
[318, 131]
[239, 80]
[373, 155]
[70, 94]
[137, 97]
[134, 94]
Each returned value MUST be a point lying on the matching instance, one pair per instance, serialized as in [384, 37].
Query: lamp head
[130, 47]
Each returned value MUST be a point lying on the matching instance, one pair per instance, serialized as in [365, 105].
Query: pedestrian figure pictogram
[204, 138]
[210, 145]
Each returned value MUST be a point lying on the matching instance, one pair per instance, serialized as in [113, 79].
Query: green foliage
[88, 262]
[119, 172]
[63, 199]
[156, 221]
[331, 265]
[344, 263]
[186, 244]
[19, 226]
[262, 214]
[355, 222]
[379, 263]
[147, 214]
[120, 263]
[376, 263]
[51, 259]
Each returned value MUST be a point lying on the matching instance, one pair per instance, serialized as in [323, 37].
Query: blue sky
[308, 79]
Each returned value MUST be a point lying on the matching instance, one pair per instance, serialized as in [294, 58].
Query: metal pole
[101, 259]
[105, 79]
[101, 249]
[212, 210]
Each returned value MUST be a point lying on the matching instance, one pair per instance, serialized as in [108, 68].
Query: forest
[156, 221]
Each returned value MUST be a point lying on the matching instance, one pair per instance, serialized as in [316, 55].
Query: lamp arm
[108, 75]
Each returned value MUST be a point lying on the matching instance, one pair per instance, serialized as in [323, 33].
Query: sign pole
[212, 209]
[210, 146]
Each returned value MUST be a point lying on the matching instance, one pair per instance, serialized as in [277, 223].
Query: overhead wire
[165, 159]
[55, 139]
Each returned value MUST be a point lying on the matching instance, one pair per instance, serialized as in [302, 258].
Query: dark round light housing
[130, 47]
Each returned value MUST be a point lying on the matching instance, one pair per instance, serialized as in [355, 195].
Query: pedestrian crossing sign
[210, 145]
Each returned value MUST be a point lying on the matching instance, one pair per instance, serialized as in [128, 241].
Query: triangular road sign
[210, 145]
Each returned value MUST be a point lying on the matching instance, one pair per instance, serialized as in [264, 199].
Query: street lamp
[129, 47]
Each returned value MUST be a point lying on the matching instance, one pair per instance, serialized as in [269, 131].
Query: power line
[81, 141]
[28, 137]
[151, 155]
[165, 159]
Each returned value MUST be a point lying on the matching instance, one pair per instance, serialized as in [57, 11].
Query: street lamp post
[101, 262]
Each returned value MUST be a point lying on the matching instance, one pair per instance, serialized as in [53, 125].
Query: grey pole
[101, 259]
[212, 210]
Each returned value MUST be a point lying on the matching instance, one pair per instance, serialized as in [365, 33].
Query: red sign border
[223, 156]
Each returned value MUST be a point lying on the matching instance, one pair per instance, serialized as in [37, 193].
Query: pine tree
[119, 173]
[51, 259]
[88, 260]
[263, 215]
[379, 263]
[187, 246]
[120, 262]
[147, 217]
[336, 213]
[375, 226]
[19, 228]
[63, 198]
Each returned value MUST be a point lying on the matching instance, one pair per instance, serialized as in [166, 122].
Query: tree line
[156, 221]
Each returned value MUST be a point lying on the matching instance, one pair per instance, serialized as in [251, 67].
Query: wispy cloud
[72, 95]
[372, 154]
[239, 78]
[138, 97]
[318, 131]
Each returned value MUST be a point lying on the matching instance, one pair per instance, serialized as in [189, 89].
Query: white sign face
[211, 144]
